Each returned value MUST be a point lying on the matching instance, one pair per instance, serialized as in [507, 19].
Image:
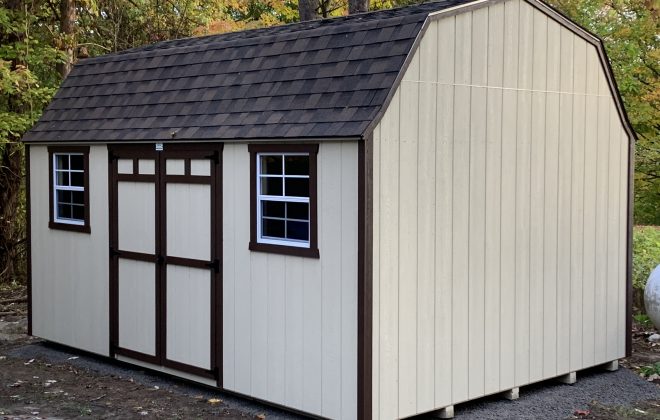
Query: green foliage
[643, 320]
[650, 370]
[629, 29]
[646, 253]
[28, 78]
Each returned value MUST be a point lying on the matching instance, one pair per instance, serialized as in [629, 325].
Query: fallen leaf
[28, 362]
[261, 416]
[72, 358]
[214, 401]
[582, 413]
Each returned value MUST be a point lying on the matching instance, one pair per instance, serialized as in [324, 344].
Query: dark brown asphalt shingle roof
[318, 79]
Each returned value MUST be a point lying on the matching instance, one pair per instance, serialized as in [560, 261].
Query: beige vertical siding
[290, 330]
[499, 213]
[70, 269]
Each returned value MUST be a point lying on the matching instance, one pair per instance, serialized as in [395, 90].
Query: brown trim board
[28, 228]
[365, 277]
[312, 150]
[629, 249]
[52, 224]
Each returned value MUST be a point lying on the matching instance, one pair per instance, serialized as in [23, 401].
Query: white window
[69, 188]
[283, 199]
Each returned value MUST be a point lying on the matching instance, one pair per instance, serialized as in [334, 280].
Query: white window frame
[281, 198]
[56, 188]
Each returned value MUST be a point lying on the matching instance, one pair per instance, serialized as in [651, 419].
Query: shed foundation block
[611, 366]
[444, 413]
[568, 379]
[512, 394]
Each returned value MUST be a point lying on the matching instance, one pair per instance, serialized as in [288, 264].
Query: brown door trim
[212, 151]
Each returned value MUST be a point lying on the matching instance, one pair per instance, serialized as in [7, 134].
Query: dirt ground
[36, 389]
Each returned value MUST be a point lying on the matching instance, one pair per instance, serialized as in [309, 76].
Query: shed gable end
[500, 212]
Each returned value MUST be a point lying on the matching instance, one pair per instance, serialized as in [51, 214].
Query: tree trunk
[67, 29]
[357, 6]
[12, 220]
[307, 10]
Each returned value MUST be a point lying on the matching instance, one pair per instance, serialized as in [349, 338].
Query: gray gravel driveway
[547, 400]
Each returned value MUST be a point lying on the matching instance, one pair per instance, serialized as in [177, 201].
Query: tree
[357, 6]
[68, 35]
[307, 10]
[27, 82]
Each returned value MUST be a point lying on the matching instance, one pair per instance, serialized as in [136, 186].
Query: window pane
[297, 230]
[271, 165]
[64, 197]
[62, 178]
[77, 197]
[297, 211]
[77, 179]
[272, 228]
[296, 165]
[271, 186]
[62, 161]
[64, 211]
[297, 187]
[78, 212]
[272, 208]
[77, 162]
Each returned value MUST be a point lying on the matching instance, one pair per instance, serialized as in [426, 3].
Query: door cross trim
[212, 152]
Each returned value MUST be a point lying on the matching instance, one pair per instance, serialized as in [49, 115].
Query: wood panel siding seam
[453, 145]
[605, 65]
[528, 197]
[398, 254]
[469, 196]
[584, 185]
[570, 206]
[488, 86]
[499, 298]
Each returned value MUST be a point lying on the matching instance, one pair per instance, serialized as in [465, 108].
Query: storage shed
[373, 216]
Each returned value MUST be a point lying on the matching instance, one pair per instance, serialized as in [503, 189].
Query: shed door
[165, 262]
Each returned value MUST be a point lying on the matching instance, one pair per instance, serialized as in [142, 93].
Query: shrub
[646, 256]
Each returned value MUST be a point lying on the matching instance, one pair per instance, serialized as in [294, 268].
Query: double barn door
[165, 255]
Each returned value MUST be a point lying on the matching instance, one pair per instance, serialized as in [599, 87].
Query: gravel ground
[546, 400]
[552, 400]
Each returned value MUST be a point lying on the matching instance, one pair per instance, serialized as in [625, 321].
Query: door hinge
[215, 265]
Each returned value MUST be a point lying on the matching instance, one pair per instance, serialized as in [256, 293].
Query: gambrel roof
[327, 78]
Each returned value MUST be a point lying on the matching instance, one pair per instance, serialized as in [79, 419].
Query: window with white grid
[69, 188]
[283, 199]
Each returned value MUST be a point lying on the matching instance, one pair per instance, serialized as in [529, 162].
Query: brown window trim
[312, 150]
[51, 191]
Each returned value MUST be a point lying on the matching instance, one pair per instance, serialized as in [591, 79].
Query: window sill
[285, 250]
[68, 227]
